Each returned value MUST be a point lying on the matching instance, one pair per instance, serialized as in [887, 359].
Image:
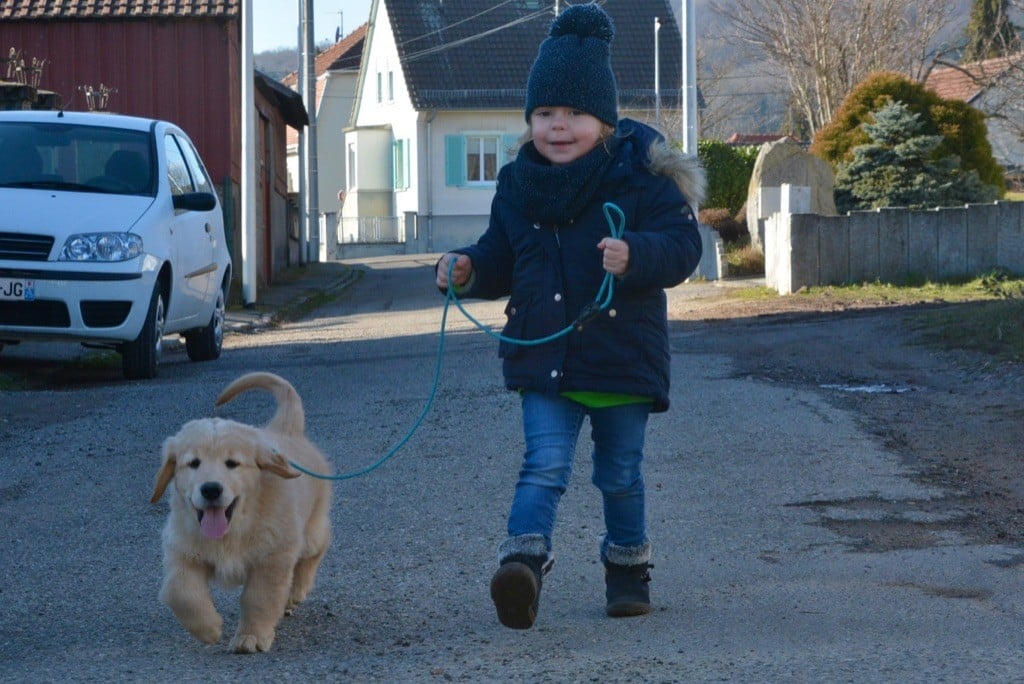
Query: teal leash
[601, 302]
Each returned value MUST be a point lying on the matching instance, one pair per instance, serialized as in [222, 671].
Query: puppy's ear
[166, 472]
[270, 459]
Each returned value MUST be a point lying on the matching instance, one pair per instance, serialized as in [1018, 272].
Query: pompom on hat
[573, 66]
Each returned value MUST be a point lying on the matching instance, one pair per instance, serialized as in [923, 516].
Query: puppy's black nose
[211, 491]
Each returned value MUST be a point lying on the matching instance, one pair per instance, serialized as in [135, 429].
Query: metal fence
[370, 230]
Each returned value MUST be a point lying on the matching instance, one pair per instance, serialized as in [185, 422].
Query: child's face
[563, 134]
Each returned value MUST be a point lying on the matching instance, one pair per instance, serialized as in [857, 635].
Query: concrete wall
[893, 245]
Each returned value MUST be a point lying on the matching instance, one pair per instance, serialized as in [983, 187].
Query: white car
[111, 235]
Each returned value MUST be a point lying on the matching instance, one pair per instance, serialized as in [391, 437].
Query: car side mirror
[195, 201]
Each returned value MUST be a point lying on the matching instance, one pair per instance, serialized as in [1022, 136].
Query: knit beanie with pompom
[573, 66]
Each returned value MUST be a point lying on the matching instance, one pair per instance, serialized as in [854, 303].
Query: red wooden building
[178, 60]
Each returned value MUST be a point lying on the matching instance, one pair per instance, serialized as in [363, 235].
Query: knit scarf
[557, 194]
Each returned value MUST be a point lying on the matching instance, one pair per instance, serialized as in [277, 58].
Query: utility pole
[310, 225]
[657, 73]
[248, 179]
[689, 34]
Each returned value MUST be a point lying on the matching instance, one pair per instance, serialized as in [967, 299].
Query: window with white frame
[475, 158]
[391, 86]
[482, 158]
[380, 87]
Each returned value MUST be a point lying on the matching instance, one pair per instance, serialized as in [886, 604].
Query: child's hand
[616, 255]
[460, 272]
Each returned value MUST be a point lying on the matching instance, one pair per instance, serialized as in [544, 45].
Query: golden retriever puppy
[240, 514]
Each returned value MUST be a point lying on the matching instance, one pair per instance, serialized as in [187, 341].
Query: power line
[451, 26]
[469, 39]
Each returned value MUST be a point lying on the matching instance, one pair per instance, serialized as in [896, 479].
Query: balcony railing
[370, 229]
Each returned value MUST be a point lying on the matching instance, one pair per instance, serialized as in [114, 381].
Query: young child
[548, 246]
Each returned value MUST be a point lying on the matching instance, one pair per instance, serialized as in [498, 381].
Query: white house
[336, 71]
[439, 109]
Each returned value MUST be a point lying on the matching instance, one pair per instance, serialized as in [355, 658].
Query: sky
[275, 23]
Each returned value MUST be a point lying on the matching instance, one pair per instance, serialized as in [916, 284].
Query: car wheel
[141, 357]
[204, 344]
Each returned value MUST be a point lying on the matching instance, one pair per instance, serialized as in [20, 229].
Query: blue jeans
[551, 426]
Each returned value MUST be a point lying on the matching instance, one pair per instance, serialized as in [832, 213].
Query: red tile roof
[967, 81]
[758, 138]
[25, 10]
[346, 55]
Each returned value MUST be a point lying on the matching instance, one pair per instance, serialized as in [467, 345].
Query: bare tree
[726, 96]
[823, 48]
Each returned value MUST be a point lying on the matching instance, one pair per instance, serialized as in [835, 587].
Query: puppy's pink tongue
[214, 523]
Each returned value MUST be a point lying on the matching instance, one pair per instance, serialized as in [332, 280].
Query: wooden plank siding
[186, 71]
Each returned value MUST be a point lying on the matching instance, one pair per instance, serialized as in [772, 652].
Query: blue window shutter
[400, 164]
[509, 148]
[396, 162]
[455, 160]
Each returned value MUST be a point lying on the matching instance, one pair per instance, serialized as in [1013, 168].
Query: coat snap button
[554, 374]
[612, 313]
[512, 311]
[558, 296]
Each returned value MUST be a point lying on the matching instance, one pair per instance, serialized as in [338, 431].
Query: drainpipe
[430, 185]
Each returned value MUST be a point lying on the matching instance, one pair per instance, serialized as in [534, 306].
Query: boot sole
[514, 591]
[628, 609]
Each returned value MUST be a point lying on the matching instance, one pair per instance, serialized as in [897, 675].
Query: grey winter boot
[515, 587]
[627, 578]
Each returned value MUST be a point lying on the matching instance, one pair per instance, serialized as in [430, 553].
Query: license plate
[17, 290]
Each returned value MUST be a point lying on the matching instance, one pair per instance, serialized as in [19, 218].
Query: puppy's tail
[290, 418]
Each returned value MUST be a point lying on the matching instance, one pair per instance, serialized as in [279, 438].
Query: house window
[400, 164]
[391, 86]
[380, 87]
[475, 159]
[481, 158]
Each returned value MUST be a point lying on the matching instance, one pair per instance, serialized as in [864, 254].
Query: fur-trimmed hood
[664, 160]
[684, 169]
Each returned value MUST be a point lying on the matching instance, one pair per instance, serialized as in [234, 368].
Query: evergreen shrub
[961, 126]
[728, 170]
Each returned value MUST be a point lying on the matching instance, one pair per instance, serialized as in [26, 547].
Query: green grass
[989, 319]
[984, 314]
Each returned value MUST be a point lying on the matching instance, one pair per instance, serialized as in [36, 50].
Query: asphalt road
[748, 586]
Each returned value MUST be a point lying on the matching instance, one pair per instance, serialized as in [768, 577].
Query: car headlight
[101, 247]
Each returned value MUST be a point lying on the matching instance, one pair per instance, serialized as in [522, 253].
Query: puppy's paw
[251, 643]
[296, 597]
[208, 633]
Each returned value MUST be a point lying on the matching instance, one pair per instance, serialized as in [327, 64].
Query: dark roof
[14, 10]
[460, 54]
[288, 102]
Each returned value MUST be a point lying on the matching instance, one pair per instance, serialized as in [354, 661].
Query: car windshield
[76, 158]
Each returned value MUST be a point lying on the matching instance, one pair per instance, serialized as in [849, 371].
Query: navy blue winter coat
[551, 272]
